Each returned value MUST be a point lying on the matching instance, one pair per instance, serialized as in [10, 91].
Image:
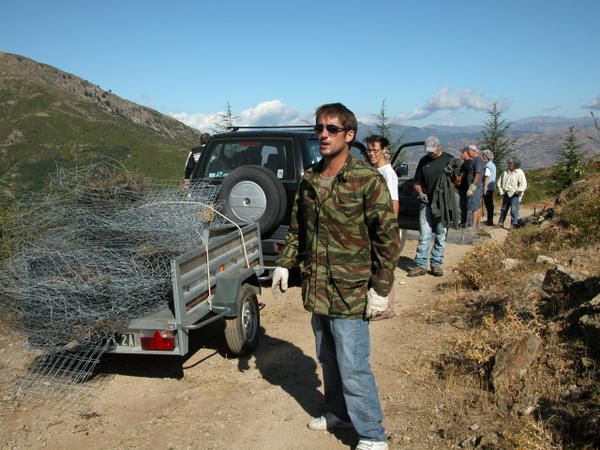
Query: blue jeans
[513, 203]
[428, 226]
[343, 349]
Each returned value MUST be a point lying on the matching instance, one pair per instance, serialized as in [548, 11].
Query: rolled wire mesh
[89, 256]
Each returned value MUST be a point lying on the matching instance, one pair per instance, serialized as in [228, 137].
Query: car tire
[254, 194]
[242, 332]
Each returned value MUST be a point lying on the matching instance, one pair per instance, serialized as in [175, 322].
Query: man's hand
[375, 303]
[471, 190]
[280, 280]
[422, 196]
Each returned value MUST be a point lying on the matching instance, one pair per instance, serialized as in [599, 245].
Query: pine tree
[495, 137]
[384, 128]
[570, 161]
[226, 120]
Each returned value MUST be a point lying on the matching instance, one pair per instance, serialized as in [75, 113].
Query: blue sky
[434, 62]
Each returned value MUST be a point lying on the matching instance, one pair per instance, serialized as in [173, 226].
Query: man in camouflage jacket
[344, 237]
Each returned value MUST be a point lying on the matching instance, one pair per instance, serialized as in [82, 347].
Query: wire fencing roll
[93, 253]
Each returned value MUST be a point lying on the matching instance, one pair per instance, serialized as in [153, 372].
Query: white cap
[431, 144]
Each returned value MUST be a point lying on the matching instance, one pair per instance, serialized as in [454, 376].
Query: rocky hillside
[51, 118]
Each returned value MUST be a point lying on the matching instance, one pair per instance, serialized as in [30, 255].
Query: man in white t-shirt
[378, 156]
[378, 148]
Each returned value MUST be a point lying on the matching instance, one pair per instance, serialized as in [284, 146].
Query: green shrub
[581, 215]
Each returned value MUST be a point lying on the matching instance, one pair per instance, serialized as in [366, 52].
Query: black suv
[259, 171]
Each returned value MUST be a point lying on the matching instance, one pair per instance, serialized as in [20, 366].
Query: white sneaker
[371, 445]
[328, 421]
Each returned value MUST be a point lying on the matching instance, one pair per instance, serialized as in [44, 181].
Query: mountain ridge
[50, 118]
[537, 141]
[106, 100]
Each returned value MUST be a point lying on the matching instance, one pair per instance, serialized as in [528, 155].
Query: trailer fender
[228, 289]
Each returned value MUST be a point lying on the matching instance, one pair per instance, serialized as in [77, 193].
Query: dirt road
[261, 402]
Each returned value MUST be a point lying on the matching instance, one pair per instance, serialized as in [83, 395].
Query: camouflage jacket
[344, 243]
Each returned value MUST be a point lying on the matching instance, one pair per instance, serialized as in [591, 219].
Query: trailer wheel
[242, 332]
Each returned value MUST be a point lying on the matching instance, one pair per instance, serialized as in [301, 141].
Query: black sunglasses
[331, 129]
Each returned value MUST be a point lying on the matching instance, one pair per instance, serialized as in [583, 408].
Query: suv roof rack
[270, 127]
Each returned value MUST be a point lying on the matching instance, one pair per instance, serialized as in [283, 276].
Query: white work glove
[280, 280]
[471, 190]
[422, 196]
[375, 303]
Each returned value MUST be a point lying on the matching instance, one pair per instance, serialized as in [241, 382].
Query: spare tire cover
[254, 194]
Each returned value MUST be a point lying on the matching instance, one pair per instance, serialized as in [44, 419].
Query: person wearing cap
[430, 171]
[511, 185]
[193, 158]
[489, 185]
[475, 190]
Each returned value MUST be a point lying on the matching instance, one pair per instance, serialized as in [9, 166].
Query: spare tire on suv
[254, 194]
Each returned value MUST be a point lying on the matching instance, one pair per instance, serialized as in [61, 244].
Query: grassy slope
[41, 128]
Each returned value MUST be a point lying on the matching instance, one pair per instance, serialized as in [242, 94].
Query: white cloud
[270, 112]
[200, 121]
[593, 104]
[446, 99]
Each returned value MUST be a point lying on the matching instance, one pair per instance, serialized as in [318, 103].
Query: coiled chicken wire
[93, 253]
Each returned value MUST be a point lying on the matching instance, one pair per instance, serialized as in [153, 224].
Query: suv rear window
[229, 154]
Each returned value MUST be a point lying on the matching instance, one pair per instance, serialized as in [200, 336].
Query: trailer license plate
[126, 340]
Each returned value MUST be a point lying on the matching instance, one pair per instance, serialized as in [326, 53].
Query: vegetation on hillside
[508, 293]
[570, 161]
[51, 119]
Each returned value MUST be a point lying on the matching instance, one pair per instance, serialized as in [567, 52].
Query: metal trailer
[217, 281]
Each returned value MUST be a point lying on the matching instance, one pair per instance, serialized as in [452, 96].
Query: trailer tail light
[160, 340]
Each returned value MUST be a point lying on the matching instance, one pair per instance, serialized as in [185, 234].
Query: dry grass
[557, 404]
[479, 268]
[531, 434]
[481, 344]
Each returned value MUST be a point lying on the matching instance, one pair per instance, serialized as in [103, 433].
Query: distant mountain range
[537, 139]
[50, 118]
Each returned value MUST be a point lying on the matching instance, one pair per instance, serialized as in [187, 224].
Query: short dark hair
[346, 116]
[383, 141]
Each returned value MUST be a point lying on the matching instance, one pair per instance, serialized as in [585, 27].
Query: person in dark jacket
[432, 222]
[463, 185]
